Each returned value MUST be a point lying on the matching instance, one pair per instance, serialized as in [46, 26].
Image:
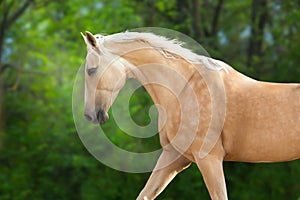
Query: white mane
[165, 46]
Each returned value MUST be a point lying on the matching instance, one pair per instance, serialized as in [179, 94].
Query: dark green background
[41, 49]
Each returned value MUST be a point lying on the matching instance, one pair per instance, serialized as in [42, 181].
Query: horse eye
[91, 71]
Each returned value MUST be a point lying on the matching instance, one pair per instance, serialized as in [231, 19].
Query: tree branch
[36, 72]
[259, 18]
[5, 66]
[216, 17]
[9, 65]
[18, 13]
[7, 20]
[196, 18]
[2, 28]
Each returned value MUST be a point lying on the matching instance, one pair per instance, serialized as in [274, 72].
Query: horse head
[105, 75]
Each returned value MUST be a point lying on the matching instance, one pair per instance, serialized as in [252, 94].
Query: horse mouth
[102, 116]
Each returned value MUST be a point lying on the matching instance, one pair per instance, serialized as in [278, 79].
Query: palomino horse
[259, 122]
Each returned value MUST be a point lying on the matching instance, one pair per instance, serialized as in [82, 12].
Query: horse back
[262, 120]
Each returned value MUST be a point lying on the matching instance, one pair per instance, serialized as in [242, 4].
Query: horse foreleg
[211, 168]
[168, 165]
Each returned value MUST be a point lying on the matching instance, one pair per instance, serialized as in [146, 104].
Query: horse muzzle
[102, 116]
[99, 118]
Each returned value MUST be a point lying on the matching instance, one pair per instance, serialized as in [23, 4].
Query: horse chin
[102, 117]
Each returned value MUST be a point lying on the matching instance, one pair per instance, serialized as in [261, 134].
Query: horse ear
[83, 36]
[90, 39]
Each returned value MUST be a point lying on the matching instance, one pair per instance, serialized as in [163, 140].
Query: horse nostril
[87, 117]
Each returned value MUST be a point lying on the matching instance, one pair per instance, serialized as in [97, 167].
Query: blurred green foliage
[42, 156]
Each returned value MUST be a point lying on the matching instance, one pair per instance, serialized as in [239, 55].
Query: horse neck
[164, 78]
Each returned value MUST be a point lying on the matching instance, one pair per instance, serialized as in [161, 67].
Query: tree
[11, 12]
[259, 19]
